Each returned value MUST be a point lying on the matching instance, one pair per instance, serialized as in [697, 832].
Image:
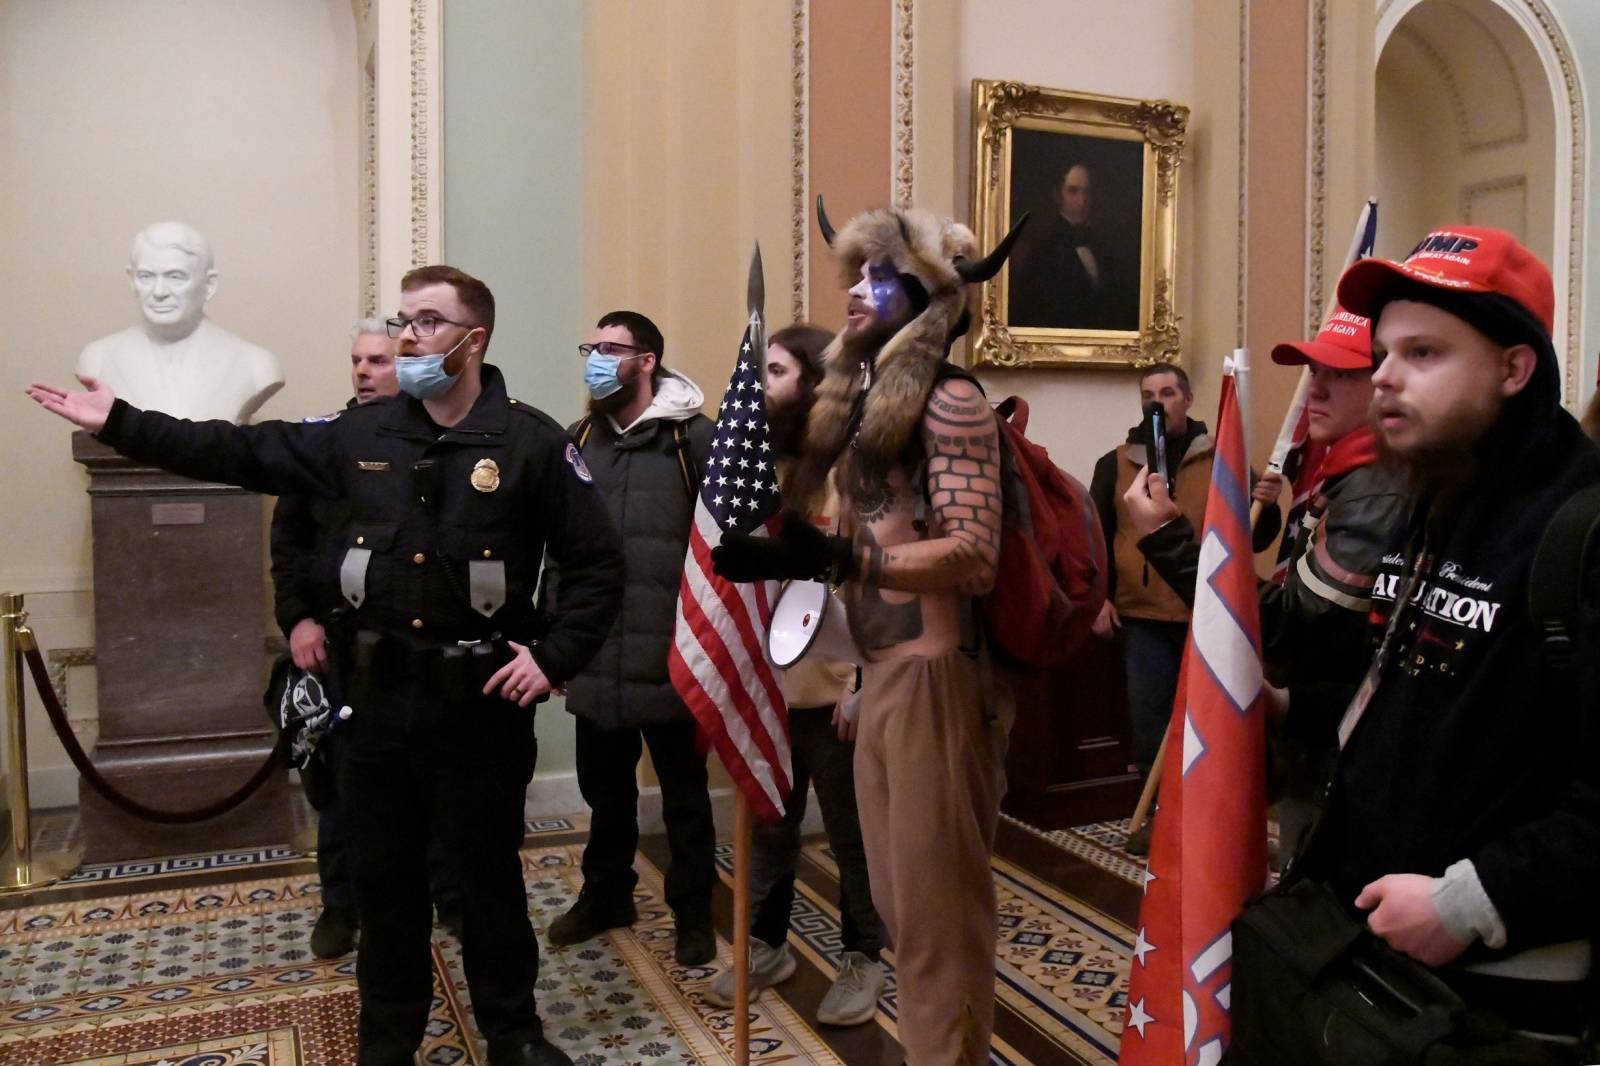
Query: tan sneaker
[853, 999]
[768, 966]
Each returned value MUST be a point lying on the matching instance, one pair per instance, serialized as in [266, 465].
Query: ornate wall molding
[424, 131]
[369, 188]
[903, 102]
[1544, 29]
[799, 156]
[1317, 164]
[1472, 193]
[1446, 76]
[1242, 237]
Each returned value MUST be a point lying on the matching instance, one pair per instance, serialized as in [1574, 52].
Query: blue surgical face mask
[600, 373]
[424, 376]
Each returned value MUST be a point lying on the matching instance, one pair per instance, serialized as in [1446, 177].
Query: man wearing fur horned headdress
[915, 454]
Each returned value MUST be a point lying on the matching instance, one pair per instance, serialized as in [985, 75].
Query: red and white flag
[718, 661]
[1208, 857]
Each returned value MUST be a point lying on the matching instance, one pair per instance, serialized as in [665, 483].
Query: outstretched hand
[84, 409]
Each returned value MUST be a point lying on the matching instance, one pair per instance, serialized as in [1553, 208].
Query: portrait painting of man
[1077, 264]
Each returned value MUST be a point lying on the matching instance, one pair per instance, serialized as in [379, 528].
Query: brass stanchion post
[20, 869]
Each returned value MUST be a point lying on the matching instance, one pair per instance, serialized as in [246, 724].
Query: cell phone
[1155, 418]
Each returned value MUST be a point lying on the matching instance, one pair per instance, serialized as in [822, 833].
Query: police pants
[416, 764]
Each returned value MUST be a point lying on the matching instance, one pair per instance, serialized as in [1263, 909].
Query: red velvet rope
[80, 759]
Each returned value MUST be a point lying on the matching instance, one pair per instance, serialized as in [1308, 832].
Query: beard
[610, 405]
[1446, 464]
[786, 427]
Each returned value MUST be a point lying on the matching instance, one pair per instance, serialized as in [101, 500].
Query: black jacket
[506, 484]
[641, 476]
[1473, 746]
[305, 575]
[1052, 288]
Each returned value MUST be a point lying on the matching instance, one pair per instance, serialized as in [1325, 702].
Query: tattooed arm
[963, 477]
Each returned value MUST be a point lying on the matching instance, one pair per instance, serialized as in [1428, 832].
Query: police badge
[485, 475]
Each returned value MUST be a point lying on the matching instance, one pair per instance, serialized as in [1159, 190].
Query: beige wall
[237, 118]
[1081, 45]
[686, 165]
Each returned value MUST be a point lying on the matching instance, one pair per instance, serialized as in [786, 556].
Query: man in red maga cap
[1463, 823]
[1314, 624]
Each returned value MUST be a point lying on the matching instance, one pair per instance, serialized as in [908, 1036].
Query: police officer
[455, 492]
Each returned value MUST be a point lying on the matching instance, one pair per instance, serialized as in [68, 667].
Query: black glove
[800, 552]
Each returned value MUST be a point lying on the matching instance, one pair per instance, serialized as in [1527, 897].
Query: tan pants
[927, 787]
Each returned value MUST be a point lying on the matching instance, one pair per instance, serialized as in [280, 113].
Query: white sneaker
[768, 966]
[853, 999]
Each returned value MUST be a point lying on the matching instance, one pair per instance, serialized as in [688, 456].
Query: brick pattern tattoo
[963, 449]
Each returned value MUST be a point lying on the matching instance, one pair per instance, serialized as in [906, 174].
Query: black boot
[528, 1051]
[589, 917]
[697, 941]
[335, 932]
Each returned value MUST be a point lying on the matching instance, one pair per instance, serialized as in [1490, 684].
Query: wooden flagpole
[741, 931]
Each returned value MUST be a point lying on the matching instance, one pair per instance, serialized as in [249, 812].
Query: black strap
[680, 443]
[1556, 592]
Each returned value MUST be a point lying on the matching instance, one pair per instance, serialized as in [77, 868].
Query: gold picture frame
[1067, 295]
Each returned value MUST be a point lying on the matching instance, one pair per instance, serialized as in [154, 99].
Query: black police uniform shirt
[505, 484]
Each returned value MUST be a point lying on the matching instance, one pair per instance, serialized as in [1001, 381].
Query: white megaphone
[809, 620]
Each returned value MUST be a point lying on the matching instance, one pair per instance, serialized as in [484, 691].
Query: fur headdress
[941, 255]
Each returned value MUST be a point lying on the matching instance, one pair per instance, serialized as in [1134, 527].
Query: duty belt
[457, 671]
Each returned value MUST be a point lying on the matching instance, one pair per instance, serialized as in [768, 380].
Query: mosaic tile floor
[166, 977]
[159, 971]
[1099, 843]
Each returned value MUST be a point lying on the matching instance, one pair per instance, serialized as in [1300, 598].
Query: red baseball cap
[1460, 259]
[1345, 343]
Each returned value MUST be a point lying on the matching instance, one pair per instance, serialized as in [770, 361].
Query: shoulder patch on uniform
[329, 417]
[575, 461]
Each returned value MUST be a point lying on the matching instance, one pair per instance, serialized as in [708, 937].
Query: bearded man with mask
[455, 493]
[647, 444]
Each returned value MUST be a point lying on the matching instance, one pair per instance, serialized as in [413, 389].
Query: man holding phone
[1153, 618]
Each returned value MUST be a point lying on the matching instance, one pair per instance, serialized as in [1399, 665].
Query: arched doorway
[1479, 118]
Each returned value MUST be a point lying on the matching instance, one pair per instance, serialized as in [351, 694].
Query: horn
[989, 265]
[822, 222]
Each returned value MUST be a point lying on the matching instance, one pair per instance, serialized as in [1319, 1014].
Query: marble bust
[178, 360]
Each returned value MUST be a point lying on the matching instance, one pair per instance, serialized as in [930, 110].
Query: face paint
[889, 300]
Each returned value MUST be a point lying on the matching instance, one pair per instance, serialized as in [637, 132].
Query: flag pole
[1291, 417]
[741, 930]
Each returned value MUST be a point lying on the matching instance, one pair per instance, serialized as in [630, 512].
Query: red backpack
[1051, 580]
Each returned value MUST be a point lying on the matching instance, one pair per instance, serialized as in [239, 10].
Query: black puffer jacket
[641, 477]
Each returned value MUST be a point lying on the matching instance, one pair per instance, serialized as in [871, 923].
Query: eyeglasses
[423, 325]
[609, 348]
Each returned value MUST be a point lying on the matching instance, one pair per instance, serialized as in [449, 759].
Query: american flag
[1208, 857]
[718, 659]
[1296, 456]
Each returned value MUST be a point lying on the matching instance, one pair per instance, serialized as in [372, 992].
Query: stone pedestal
[180, 652]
